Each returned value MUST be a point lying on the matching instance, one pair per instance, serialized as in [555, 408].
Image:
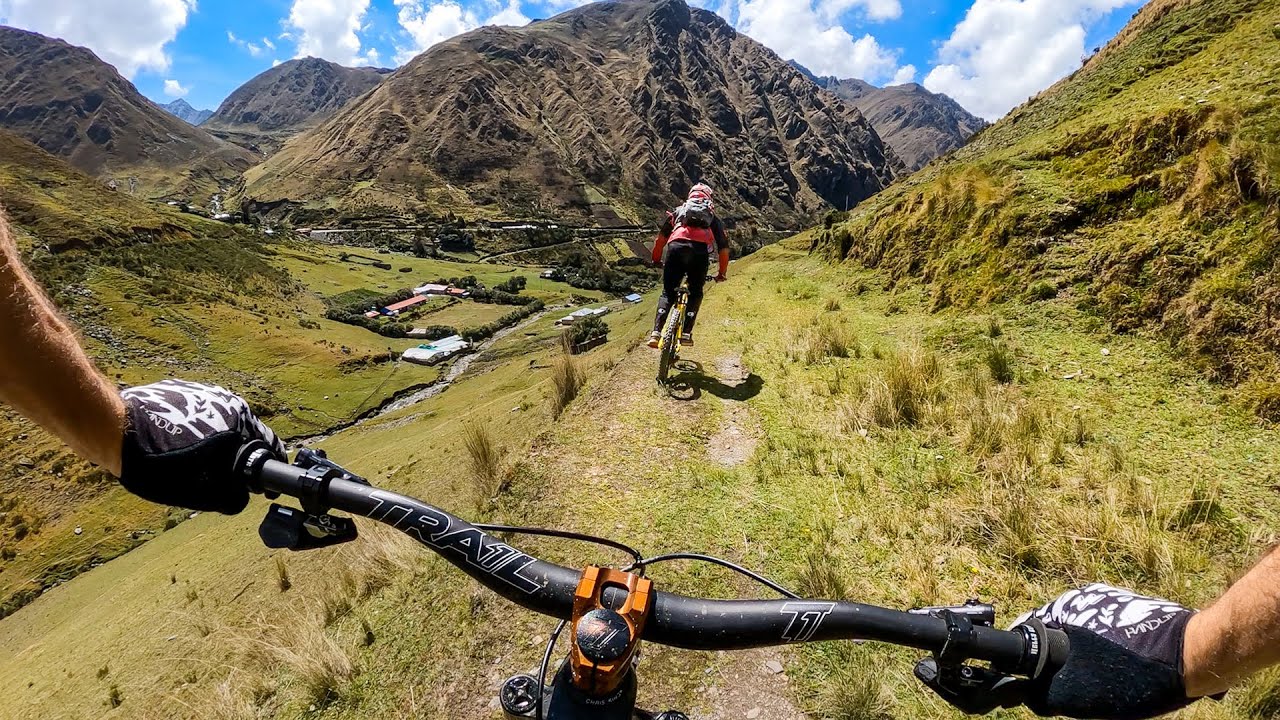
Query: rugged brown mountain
[919, 125]
[606, 113]
[67, 101]
[294, 95]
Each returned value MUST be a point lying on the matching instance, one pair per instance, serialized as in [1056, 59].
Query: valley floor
[831, 433]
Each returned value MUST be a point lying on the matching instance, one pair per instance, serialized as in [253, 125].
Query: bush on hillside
[586, 330]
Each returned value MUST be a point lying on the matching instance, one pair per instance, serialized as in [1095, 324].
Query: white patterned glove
[181, 442]
[1125, 660]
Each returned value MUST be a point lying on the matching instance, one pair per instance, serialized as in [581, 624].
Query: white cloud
[817, 40]
[905, 74]
[174, 89]
[266, 42]
[129, 34]
[429, 23]
[251, 48]
[328, 28]
[1005, 51]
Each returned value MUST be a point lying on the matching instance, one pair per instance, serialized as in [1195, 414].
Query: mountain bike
[669, 346]
[609, 611]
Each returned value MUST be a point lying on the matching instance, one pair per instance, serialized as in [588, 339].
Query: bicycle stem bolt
[519, 696]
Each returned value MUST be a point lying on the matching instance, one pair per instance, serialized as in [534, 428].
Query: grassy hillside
[1145, 189]
[157, 293]
[839, 436]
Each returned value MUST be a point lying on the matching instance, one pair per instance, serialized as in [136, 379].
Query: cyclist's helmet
[701, 191]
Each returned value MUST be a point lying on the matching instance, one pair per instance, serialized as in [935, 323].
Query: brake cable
[566, 535]
[642, 564]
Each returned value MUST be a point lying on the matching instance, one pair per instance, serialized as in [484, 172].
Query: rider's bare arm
[1236, 636]
[45, 375]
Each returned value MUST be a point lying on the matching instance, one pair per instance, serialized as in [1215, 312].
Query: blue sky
[988, 54]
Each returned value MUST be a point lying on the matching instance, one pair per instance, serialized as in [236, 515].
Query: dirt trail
[736, 441]
[627, 432]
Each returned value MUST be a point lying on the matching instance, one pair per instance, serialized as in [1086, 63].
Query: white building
[438, 351]
[583, 313]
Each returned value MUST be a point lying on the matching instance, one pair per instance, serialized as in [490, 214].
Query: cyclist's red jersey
[713, 237]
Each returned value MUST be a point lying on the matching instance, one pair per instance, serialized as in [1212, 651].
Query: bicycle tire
[667, 358]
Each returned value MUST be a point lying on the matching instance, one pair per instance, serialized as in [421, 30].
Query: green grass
[1142, 189]
[1111, 465]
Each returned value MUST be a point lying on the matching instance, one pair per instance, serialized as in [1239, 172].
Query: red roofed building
[405, 304]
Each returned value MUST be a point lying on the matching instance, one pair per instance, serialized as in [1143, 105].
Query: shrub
[513, 286]
[1042, 290]
[586, 330]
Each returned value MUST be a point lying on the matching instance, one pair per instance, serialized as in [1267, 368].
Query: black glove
[1125, 660]
[181, 442]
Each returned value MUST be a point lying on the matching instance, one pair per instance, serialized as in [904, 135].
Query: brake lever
[292, 529]
[971, 689]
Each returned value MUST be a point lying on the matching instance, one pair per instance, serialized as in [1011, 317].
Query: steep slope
[67, 101]
[606, 113]
[1144, 187]
[182, 109]
[294, 95]
[918, 124]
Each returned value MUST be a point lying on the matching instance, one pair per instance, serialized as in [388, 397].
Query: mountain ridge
[66, 100]
[182, 109]
[605, 113]
[919, 124]
[293, 95]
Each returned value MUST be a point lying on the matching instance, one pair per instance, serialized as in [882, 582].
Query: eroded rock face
[617, 105]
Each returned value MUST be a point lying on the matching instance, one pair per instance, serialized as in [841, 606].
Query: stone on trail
[753, 713]
[773, 666]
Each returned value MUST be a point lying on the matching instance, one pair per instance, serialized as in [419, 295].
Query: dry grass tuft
[485, 462]
[902, 395]
[568, 377]
[282, 574]
[999, 360]
[821, 340]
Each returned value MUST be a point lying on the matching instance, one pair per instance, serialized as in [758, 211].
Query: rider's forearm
[1236, 636]
[724, 263]
[659, 243]
[45, 375]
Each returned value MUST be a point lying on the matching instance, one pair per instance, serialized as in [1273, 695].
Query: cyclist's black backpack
[695, 213]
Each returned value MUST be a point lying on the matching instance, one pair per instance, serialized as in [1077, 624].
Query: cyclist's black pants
[684, 259]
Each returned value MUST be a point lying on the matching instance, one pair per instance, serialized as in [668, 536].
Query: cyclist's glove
[1125, 660]
[181, 442]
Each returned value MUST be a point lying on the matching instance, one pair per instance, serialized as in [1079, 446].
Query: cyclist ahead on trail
[690, 235]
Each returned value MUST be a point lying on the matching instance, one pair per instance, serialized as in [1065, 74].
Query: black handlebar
[677, 620]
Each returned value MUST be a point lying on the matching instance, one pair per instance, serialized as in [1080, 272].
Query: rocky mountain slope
[1145, 187]
[602, 114]
[294, 95]
[182, 109]
[67, 101]
[918, 124]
